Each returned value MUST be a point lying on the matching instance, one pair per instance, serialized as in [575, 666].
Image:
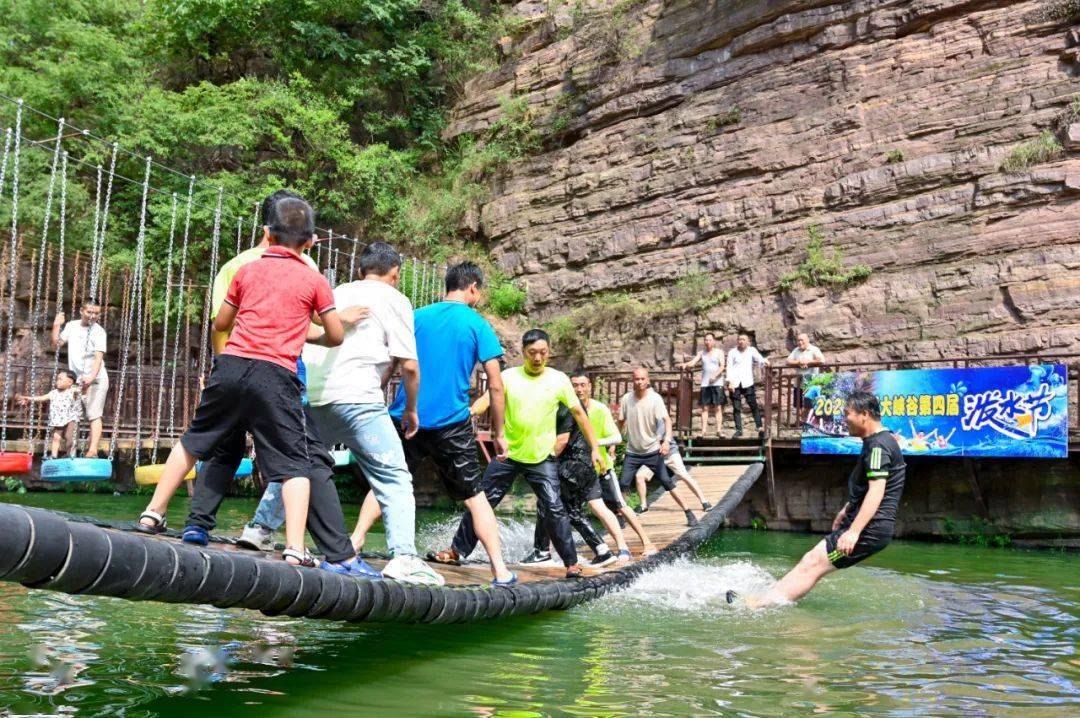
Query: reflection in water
[926, 629]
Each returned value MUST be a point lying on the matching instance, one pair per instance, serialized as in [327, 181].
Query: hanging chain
[137, 278]
[213, 271]
[99, 241]
[239, 232]
[254, 225]
[181, 307]
[12, 274]
[60, 252]
[164, 329]
[352, 263]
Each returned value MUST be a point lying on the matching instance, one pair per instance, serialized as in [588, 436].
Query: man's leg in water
[798, 581]
[486, 528]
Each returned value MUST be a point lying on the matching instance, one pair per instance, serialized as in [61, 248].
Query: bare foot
[650, 550]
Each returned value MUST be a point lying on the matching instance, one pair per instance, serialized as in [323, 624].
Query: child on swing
[65, 410]
[253, 385]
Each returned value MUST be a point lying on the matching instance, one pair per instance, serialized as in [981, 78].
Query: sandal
[159, 523]
[449, 557]
[302, 557]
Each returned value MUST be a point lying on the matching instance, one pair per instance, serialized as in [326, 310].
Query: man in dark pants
[741, 362]
[865, 524]
[534, 393]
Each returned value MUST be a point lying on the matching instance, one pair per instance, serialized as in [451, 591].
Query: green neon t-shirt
[531, 405]
[603, 424]
[228, 270]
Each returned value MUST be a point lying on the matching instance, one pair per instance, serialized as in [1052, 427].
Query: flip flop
[448, 557]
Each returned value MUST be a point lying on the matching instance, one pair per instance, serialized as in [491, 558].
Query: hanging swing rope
[12, 273]
[165, 330]
[135, 308]
[181, 306]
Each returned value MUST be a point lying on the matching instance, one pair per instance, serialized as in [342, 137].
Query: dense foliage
[342, 100]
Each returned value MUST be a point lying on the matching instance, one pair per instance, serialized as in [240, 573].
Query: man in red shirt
[253, 386]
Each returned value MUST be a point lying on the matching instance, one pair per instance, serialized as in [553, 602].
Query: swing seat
[59, 470]
[15, 462]
[151, 474]
[343, 458]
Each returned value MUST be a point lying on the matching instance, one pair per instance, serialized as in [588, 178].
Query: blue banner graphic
[985, 411]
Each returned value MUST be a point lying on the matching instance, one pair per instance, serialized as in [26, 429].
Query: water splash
[516, 536]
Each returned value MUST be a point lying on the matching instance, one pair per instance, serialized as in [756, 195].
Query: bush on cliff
[1044, 148]
[822, 269]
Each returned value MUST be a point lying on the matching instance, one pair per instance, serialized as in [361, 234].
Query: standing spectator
[809, 359]
[86, 357]
[711, 359]
[740, 378]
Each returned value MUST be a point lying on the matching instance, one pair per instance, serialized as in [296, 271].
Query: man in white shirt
[740, 379]
[345, 390]
[641, 413]
[86, 357]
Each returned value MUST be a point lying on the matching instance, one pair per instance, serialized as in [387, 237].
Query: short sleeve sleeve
[487, 343]
[99, 342]
[879, 461]
[818, 355]
[659, 409]
[610, 429]
[65, 334]
[793, 356]
[324, 296]
[564, 421]
[565, 391]
[400, 336]
[235, 292]
[222, 284]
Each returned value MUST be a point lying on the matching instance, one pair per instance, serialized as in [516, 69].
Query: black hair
[579, 372]
[461, 275]
[864, 402]
[68, 373]
[267, 209]
[534, 335]
[378, 258]
[292, 222]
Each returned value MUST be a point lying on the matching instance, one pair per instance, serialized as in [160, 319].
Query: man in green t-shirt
[534, 393]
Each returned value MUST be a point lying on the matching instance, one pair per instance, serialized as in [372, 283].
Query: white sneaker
[256, 538]
[410, 569]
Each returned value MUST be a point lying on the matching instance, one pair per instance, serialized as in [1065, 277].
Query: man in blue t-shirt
[451, 339]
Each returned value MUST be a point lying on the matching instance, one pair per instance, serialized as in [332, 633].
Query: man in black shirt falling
[865, 524]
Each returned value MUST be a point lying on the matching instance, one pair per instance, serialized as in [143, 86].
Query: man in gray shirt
[711, 359]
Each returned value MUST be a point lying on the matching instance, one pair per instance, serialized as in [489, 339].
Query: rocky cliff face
[696, 147]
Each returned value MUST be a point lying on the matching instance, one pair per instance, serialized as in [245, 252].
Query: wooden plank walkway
[664, 522]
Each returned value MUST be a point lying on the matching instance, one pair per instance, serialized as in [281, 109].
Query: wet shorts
[609, 491]
[871, 540]
[453, 450]
[578, 482]
[712, 396]
[654, 461]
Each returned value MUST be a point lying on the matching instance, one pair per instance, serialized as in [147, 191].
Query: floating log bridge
[46, 550]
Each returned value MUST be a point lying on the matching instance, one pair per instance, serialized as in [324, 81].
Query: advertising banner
[1018, 411]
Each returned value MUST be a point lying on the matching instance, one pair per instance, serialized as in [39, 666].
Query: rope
[137, 272]
[11, 269]
[165, 331]
[182, 308]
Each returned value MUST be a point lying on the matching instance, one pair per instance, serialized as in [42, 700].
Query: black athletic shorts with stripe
[454, 452]
[871, 540]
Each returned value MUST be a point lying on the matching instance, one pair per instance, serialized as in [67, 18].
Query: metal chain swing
[210, 283]
[135, 308]
[180, 304]
[254, 225]
[98, 250]
[12, 264]
[60, 249]
[165, 330]
[39, 295]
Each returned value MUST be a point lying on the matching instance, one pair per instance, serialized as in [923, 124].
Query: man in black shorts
[865, 524]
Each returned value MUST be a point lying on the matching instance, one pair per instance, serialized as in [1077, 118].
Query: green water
[923, 630]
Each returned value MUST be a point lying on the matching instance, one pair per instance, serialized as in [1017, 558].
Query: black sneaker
[705, 506]
[603, 559]
[737, 435]
[537, 557]
[731, 597]
[691, 520]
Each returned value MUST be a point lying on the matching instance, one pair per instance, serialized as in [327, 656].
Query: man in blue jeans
[345, 390]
